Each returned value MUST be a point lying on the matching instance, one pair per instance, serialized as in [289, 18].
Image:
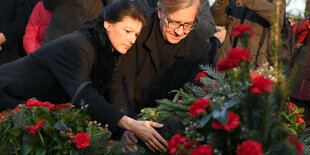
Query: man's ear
[159, 10]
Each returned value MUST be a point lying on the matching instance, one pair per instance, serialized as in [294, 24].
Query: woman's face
[123, 34]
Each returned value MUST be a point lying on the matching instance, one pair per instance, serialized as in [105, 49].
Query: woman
[79, 66]
[36, 27]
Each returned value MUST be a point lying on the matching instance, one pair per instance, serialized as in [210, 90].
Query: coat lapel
[181, 66]
[151, 45]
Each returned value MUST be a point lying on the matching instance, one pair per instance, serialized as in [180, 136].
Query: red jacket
[36, 27]
[301, 90]
[301, 29]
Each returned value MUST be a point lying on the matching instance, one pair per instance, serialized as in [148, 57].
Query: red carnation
[241, 29]
[189, 144]
[234, 56]
[198, 106]
[215, 85]
[238, 55]
[202, 150]
[298, 146]
[35, 103]
[291, 106]
[82, 140]
[233, 122]
[17, 107]
[174, 143]
[226, 64]
[199, 75]
[260, 84]
[300, 121]
[33, 129]
[250, 148]
[205, 89]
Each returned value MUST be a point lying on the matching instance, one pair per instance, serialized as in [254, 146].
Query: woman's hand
[128, 138]
[145, 131]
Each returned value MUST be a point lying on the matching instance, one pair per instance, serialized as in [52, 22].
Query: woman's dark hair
[119, 9]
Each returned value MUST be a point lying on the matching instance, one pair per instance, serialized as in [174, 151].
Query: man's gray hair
[168, 6]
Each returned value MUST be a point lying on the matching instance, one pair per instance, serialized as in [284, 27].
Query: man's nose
[179, 31]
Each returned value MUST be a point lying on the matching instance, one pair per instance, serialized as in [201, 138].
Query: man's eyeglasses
[176, 25]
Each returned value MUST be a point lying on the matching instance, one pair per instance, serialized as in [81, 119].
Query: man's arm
[13, 31]
[219, 12]
[264, 8]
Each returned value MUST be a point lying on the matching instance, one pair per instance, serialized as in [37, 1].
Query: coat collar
[150, 43]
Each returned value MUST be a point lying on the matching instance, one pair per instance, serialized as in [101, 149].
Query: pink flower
[233, 122]
[198, 106]
[260, 84]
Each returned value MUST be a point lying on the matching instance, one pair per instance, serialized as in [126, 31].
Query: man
[14, 15]
[255, 13]
[166, 55]
[205, 25]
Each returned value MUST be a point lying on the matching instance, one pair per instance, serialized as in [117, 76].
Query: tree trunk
[307, 11]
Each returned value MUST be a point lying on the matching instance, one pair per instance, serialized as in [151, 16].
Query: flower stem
[41, 138]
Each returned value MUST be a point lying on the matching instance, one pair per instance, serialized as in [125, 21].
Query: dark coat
[141, 77]
[69, 15]
[14, 15]
[55, 71]
[301, 90]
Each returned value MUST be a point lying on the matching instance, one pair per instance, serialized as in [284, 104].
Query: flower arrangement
[44, 128]
[292, 117]
[238, 109]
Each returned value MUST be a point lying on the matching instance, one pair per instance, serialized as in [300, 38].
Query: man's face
[182, 16]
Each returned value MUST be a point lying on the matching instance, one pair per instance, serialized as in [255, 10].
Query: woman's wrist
[126, 123]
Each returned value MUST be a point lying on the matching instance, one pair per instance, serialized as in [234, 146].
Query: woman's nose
[132, 38]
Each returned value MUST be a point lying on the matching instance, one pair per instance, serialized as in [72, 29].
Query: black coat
[55, 71]
[69, 15]
[14, 15]
[141, 77]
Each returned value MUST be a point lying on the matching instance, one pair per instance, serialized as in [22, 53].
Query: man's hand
[145, 131]
[128, 139]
